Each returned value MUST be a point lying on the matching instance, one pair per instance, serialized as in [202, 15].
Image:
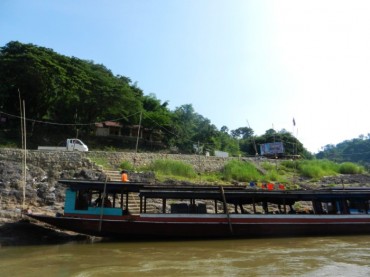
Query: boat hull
[214, 226]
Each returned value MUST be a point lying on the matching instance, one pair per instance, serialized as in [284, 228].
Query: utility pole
[137, 138]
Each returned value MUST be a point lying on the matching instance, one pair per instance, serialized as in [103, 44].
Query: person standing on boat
[124, 176]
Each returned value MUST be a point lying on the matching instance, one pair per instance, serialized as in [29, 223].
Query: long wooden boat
[105, 209]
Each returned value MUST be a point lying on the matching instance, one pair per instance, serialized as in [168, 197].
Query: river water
[308, 256]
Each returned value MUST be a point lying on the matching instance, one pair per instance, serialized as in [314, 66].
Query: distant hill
[356, 150]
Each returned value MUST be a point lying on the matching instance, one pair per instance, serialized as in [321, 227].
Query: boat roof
[233, 194]
[111, 186]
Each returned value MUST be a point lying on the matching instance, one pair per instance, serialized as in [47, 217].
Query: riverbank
[45, 195]
[22, 232]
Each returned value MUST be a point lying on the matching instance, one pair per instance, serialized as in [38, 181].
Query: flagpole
[294, 153]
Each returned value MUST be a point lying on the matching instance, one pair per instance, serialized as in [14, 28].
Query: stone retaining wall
[200, 163]
[64, 160]
[52, 160]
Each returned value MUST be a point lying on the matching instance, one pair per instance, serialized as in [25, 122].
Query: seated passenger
[97, 202]
[107, 203]
[124, 176]
[82, 201]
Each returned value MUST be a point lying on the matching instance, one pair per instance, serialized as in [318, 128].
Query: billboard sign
[272, 148]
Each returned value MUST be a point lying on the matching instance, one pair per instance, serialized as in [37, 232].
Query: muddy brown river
[309, 256]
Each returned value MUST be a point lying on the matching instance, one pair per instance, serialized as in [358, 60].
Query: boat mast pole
[102, 204]
[226, 210]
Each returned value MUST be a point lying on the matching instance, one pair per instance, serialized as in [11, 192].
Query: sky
[240, 63]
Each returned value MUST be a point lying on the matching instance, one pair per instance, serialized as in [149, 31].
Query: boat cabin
[115, 199]
[98, 198]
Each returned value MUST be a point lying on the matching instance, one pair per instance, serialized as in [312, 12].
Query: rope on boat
[102, 204]
[226, 210]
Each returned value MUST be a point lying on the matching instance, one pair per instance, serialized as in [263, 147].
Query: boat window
[185, 208]
[358, 206]
[83, 200]
[97, 200]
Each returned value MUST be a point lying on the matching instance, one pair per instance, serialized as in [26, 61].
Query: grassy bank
[276, 171]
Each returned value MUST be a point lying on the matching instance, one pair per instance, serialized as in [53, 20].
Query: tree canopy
[73, 94]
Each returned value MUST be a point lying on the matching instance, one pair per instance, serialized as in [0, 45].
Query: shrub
[109, 149]
[8, 145]
[272, 175]
[268, 166]
[126, 165]
[289, 164]
[103, 162]
[311, 171]
[173, 168]
[211, 177]
[240, 171]
[318, 168]
[350, 168]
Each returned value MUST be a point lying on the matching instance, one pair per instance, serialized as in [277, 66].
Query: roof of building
[108, 124]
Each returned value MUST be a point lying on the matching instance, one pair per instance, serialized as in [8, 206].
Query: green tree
[224, 142]
[242, 132]
[63, 89]
[184, 127]
[157, 118]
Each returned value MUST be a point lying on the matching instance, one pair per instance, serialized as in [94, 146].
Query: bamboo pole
[25, 156]
[137, 138]
[22, 111]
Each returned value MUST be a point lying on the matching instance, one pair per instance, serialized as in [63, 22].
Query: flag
[293, 121]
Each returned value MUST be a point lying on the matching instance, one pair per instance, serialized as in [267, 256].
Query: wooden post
[141, 204]
[284, 206]
[226, 210]
[164, 205]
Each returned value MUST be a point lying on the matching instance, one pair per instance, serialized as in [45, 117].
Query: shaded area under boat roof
[248, 196]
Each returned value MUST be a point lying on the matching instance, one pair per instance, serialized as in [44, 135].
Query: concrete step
[113, 175]
[134, 203]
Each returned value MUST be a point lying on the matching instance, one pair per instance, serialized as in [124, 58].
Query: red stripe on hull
[211, 228]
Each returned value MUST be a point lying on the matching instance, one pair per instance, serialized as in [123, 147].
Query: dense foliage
[356, 150]
[66, 96]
